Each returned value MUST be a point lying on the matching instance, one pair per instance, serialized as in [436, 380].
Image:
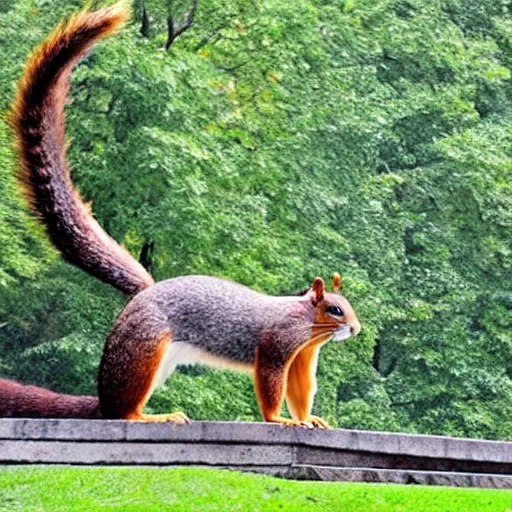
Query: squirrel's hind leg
[134, 362]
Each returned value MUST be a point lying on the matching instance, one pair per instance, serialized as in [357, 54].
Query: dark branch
[141, 15]
[144, 28]
[174, 32]
[146, 254]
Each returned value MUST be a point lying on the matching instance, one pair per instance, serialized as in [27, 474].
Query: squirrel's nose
[355, 328]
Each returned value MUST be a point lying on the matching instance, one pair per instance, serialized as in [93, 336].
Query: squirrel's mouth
[342, 333]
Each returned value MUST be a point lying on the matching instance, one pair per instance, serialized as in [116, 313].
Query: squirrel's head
[333, 312]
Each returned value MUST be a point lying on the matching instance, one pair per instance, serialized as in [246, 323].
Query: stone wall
[299, 453]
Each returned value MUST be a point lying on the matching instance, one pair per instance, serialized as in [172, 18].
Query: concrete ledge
[343, 455]
[398, 477]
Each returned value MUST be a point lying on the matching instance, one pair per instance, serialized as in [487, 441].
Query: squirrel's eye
[334, 310]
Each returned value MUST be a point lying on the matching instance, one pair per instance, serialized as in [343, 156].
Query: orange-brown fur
[135, 388]
[295, 379]
[37, 118]
[301, 383]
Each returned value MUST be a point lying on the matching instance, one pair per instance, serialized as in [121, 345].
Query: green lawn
[132, 489]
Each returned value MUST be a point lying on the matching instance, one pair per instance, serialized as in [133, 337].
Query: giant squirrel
[181, 320]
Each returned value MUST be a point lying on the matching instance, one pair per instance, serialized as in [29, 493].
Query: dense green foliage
[278, 141]
[187, 489]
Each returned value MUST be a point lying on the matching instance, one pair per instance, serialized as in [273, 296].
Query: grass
[133, 489]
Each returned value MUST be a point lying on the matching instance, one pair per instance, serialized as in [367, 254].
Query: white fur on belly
[180, 352]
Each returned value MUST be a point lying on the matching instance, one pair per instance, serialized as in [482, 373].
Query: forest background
[273, 142]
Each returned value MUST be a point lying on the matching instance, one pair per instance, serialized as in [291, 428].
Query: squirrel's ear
[337, 283]
[317, 291]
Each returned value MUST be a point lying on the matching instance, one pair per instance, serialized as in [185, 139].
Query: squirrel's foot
[310, 422]
[176, 417]
[318, 422]
[290, 423]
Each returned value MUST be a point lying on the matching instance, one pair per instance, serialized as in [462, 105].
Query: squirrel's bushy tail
[20, 401]
[37, 117]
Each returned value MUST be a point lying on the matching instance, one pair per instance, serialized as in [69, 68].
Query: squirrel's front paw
[318, 422]
[310, 422]
[177, 417]
[287, 422]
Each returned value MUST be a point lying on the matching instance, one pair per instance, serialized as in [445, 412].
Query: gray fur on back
[222, 317]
